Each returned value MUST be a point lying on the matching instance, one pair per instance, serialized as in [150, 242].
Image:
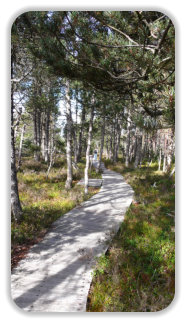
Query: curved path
[56, 274]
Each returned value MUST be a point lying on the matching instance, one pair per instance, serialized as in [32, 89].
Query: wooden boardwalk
[91, 182]
[56, 274]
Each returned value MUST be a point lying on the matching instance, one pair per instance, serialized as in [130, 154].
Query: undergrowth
[137, 273]
[43, 199]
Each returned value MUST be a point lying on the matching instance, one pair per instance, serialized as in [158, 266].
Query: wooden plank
[57, 272]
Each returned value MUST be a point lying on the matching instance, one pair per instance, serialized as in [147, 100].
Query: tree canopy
[123, 52]
[114, 73]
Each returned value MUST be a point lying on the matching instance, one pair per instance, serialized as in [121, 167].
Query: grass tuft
[44, 200]
[137, 273]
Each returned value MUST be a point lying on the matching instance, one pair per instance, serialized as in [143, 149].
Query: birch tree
[102, 140]
[68, 183]
[88, 146]
[15, 201]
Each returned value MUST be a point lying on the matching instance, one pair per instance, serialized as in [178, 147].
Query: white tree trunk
[81, 134]
[127, 141]
[172, 172]
[165, 154]
[110, 143]
[15, 201]
[159, 161]
[88, 147]
[107, 149]
[68, 184]
[21, 145]
[102, 142]
[118, 137]
[138, 150]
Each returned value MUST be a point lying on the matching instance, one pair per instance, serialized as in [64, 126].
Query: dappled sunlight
[56, 274]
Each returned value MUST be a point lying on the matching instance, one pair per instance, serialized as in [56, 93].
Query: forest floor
[44, 199]
[137, 274]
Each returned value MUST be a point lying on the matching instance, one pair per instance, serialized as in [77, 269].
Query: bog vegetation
[97, 80]
[137, 274]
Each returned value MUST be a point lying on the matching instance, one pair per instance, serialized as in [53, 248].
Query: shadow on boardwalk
[56, 274]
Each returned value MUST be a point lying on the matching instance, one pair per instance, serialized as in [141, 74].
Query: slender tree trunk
[52, 151]
[102, 141]
[35, 134]
[107, 148]
[164, 163]
[142, 147]
[118, 136]
[47, 136]
[39, 134]
[75, 148]
[165, 155]
[81, 135]
[172, 172]
[21, 145]
[150, 150]
[43, 132]
[169, 151]
[138, 150]
[111, 143]
[114, 142]
[75, 132]
[68, 184]
[159, 161]
[15, 201]
[88, 146]
[123, 149]
[127, 141]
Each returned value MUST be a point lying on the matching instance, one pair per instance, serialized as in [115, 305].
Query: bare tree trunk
[165, 155]
[75, 137]
[114, 142]
[159, 161]
[21, 145]
[123, 148]
[81, 135]
[43, 141]
[68, 184]
[107, 148]
[138, 149]
[172, 172]
[111, 144]
[118, 136]
[15, 201]
[169, 151]
[39, 134]
[150, 150]
[47, 136]
[52, 152]
[164, 163]
[127, 141]
[142, 147]
[75, 147]
[35, 134]
[88, 146]
[102, 141]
